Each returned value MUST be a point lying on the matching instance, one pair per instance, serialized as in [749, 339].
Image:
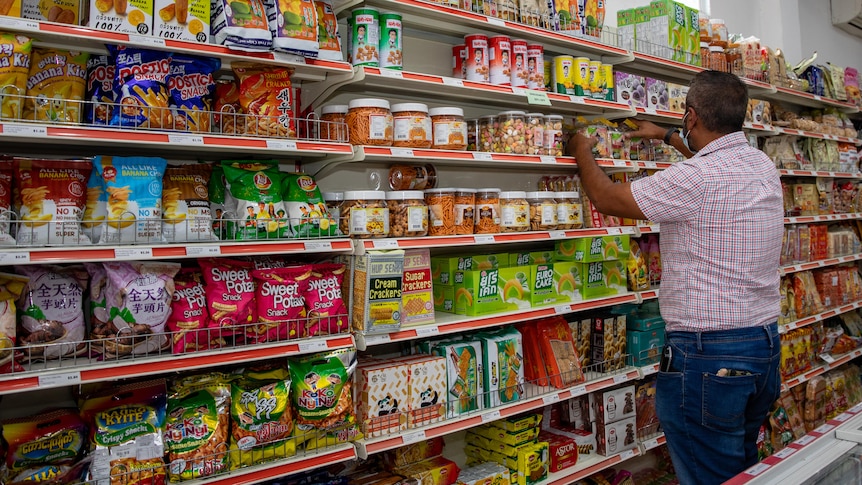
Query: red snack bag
[280, 301]
[230, 293]
[189, 314]
[327, 313]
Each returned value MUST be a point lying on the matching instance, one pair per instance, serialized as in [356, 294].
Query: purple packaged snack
[656, 94]
[630, 89]
[140, 88]
[100, 90]
[191, 85]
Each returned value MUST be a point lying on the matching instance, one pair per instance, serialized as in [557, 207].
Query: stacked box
[626, 28]
[464, 376]
[616, 437]
[416, 294]
[609, 342]
[512, 443]
[643, 33]
[544, 286]
[644, 345]
[495, 290]
[529, 258]
[590, 249]
[669, 25]
[693, 24]
[562, 451]
[568, 280]
[503, 367]
[444, 298]
[444, 267]
[382, 400]
[604, 278]
[426, 389]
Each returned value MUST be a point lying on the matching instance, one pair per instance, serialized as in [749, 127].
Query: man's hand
[647, 130]
[578, 140]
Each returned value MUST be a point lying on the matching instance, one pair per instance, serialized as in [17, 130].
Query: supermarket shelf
[804, 322]
[588, 466]
[654, 66]
[813, 134]
[92, 40]
[811, 173]
[163, 142]
[85, 370]
[759, 128]
[659, 116]
[69, 254]
[831, 362]
[758, 88]
[794, 268]
[538, 400]
[807, 99]
[448, 323]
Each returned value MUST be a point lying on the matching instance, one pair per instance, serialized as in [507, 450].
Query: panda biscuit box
[426, 389]
[383, 397]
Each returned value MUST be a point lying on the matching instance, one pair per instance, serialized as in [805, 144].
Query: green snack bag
[322, 398]
[306, 208]
[256, 201]
[222, 225]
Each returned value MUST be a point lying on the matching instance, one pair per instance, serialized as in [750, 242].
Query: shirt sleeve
[671, 195]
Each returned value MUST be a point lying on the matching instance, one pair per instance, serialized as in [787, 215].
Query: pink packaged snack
[280, 302]
[189, 314]
[230, 293]
[327, 313]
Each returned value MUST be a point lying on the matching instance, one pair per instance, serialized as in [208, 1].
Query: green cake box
[585, 281]
[544, 285]
[528, 258]
[590, 249]
[443, 268]
[568, 282]
[494, 290]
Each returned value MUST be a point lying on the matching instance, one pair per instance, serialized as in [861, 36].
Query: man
[721, 228]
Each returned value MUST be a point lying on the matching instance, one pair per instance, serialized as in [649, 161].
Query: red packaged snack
[51, 439]
[327, 313]
[229, 292]
[189, 314]
[280, 302]
[562, 450]
[558, 348]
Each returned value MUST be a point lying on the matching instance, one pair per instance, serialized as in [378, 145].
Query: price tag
[133, 253]
[825, 428]
[650, 443]
[626, 455]
[757, 469]
[451, 81]
[650, 111]
[827, 358]
[492, 416]
[385, 244]
[147, 40]
[855, 409]
[176, 139]
[785, 453]
[620, 163]
[620, 378]
[377, 339]
[390, 73]
[577, 99]
[281, 144]
[15, 258]
[402, 152]
[614, 231]
[496, 21]
[557, 234]
[548, 159]
[817, 97]
[562, 309]
[18, 24]
[313, 346]
[318, 246]
[194, 250]
[64, 379]
[414, 437]
[285, 57]
[843, 417]
[650, 165]
[649, 370]
[538, 98]
[551, 399]
[427, 330]
[482, 156]
[579, 390]
[484, 239]
[25, 130]
[804, 440]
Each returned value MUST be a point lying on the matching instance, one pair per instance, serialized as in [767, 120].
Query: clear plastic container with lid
[333, 125]
[554, 135]
[369, 122]
[511, 133]
[472, 135]
[543, 211]
[412, 125]
[408, 213]
[487, 133]
[450, 129]
[514, 211]
[333, 202]
[364, 214]
[441, 211]
[465, 211]
[535, 134]
[487, 211]
[412, 177]
[569, 210]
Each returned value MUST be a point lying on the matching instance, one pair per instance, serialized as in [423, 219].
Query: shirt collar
[721, 143]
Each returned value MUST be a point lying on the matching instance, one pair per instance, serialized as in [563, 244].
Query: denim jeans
[711, 420]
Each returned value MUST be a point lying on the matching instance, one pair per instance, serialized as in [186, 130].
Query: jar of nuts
[543, 211]
[412, 125]
[364, 214]
[333, 204]
[408, 214]
[554, 135]
[369, 122]
[514, 211]
[441, 211]
[511, 133]
[332, 123]
[465, 207]
[450, 129]
[472, 135]
[535, 134]
[569, 210]
[487, 211]
[487, 133]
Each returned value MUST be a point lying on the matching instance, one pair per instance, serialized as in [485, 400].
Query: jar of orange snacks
[332, 123]
[441, 211]
[450, 129]
[412, 125]
[465, 210]
[487, 211]
[369, 122]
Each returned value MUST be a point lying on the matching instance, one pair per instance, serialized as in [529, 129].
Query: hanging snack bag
[197, 427]
[216, 192]
[293, 25]
[95, 208]
[189, 314]
[14, 70]
[321, 395]
[51, 312]
[185, 204]
[138, 305]
[226, 108]
[50, 198]
[6, 174]
[100, 90]
[134, 188]
[56, 86]
[141, 88]
[262, 418]
[306, 209]
[11, 287]
[51, 441]
[266, 95]
[230, 293]
[240, 24]
[126, 433]
[638, 274]
[98, 303]
[256, 190]
[557, 346]
[327, 313]
[327, 32]
[192, 85]
[280, 301]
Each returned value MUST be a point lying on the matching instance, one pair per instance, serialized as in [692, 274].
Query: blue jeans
[711, 420]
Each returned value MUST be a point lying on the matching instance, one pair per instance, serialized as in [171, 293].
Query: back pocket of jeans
[725, 400]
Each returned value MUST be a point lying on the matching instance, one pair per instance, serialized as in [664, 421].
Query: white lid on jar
[541, 194]
[360, 9]
[333, 196]
[368, 103]
[554, 117]
[512, 113]
[535, 115]
[500, 37]
[465, 191]
[404, 195]
[398, 108]
[446, 112]
[490, 118]
[365, 195]
[513, 194]
[567, 195]
[445, 190]
[486, 190]
[334, 108]
[716, 48]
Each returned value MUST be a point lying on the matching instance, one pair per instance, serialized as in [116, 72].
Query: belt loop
[768, 329]
[699, 342]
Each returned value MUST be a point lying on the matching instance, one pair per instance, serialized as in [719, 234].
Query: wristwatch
[669, 134]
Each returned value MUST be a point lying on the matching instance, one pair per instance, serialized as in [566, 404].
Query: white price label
[757, 469]
[402, 152]
[650, 443]
[577, 99]
[817, 97]
[281, 144]
[492, 416]
[176, 139]
[649, 370]
[496, 21]
[843, 417]
[25, 130]
[18, 24]
[562, 309]
[827, 358]
[15, 258]
[484, 239]
[194, 250]
[427, 330]
[548, 159]
[620, 163]
[551, 399]
[313, 346]
[451, 81]
[620, 378]
[855, 409]
[614, 231]
[64, 379]
[413, 437]
[579, 390]
[385, 244]
[377, 339]
[482, 156]
[318, 246]
[785, 453]
[519, 91]
[390, 73]
[557, 234]
[825, 428]
[650, 111]
[133, 253]
[804, 440]
[626, 455]
[147, 40]
[650, 165]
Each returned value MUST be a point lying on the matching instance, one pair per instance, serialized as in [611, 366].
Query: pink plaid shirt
[721, 215]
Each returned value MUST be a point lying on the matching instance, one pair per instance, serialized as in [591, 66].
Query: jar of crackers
[441, 211]
[511, 133]
[408, 213]
[487, 211]
[450, 129]
[465, 210]
[333, 202]
[569, 210]
[412, 125]
[514, 211]
[364, 214]
[369, 122]
[333, 125]
[543, 211]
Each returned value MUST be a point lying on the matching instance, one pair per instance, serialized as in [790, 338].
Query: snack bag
[226, 108]
[197, 427]
[134, 189]
[306, 208]
[327, 32]
[256, 192]
[189, 314]
[560, 355]
[51, 311]
[266, 93]
[140, 88]
[280, 300]
[95, 208]
[138, 305]
[327, 313]
[638, 277]
[100, 90]
[51, 198]
[321, 394]
[15, 52]
[11, 287]
[191, 85]
[98, 302]
[126, 433]
[57, 85]
[230, 293]
[240, 24]
[53, 441]
[185, 204]
[293, 25]
[6, 174]
[262, 418]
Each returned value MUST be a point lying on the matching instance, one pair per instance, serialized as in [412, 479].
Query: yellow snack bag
[58, 80]
[14, 66]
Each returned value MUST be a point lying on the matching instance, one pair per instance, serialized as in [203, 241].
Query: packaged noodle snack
[280, 300]
[51, 442]
[191, 85]
[100, 90]
[185, 204]
[266, 93]
[6, 174]
[306, 208]
[256, 200]
[226, 108]
[50, 199]
[95, 208]
[240, 24]
[230, 293]
[56, 86]
[293, 25]
[98, 302]
[15, 52]
[190, 316]
[327, 32]
[134, 189]
[11, 287]
[140, 87]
